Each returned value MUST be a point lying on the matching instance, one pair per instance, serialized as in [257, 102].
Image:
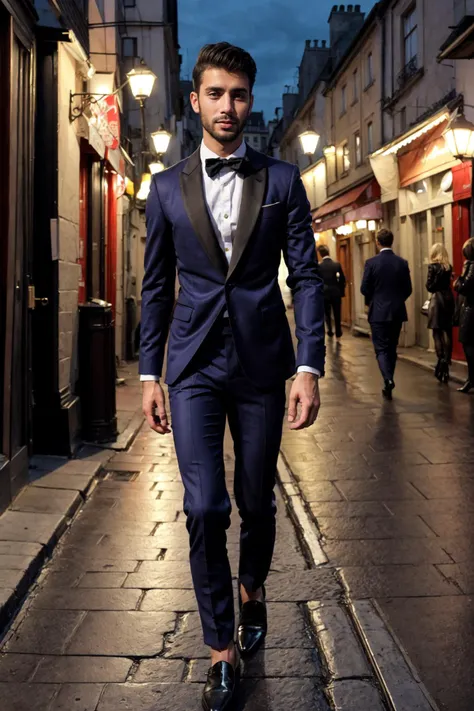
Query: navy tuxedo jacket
[386, 286]
[274, 217]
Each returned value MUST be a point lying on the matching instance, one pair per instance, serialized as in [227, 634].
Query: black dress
[441, 309]
[465, 287]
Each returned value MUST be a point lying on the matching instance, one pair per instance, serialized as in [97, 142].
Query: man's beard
[227, 137]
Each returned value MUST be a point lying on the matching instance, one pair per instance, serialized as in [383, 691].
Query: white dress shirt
[223, 195]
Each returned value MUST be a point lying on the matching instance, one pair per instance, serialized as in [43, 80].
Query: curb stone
[361, 651]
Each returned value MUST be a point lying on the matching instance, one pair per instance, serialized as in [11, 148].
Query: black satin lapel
[252, 199]
[196, 208]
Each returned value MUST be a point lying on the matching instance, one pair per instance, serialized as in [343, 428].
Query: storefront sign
[107, 120]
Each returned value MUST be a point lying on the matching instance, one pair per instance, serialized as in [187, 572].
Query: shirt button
[226, 216]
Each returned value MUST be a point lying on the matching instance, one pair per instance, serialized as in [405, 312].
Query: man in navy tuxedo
[386, 286]
[222, 218]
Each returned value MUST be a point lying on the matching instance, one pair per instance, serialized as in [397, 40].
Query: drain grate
[123, 476]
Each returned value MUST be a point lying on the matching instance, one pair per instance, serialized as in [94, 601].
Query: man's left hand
[304, 397]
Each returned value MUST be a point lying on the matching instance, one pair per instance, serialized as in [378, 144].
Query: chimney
[290, 102]
[344, 26]
[308, 44]
[315, 43]
[323, 44]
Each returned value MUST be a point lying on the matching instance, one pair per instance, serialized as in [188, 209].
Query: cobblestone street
[391, 487]
[112, 621]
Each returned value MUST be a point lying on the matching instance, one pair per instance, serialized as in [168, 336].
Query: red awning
[349, 199]
[424, 156]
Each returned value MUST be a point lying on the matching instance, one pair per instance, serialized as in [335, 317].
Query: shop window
[437, 222]
[420, 187]
[441, 184]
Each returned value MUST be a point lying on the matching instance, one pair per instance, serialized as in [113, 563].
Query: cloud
[273, 31]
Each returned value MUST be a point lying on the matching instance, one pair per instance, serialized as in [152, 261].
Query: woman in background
[441, 309]
[465, 287]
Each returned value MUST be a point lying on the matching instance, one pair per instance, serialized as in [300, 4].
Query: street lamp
[309, 141]
[141, 80]
[144, 187]
[161, 139]
[459, 137]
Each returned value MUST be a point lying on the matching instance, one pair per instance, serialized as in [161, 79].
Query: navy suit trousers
[212, 389]
[385, 338]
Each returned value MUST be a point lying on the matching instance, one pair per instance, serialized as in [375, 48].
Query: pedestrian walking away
[222, 218]
[465, 288]
[334, 290]
[386, 285]
[441, 308]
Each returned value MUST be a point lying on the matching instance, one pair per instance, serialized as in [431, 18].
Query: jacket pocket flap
[183, 312]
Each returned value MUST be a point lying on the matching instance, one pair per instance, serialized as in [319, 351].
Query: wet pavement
[391, 488]
[112, 622]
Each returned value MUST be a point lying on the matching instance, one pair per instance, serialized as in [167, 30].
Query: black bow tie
[215, 165]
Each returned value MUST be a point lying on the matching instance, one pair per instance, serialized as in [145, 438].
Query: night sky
[273, 31]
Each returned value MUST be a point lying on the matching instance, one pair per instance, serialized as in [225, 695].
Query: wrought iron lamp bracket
[87, 99]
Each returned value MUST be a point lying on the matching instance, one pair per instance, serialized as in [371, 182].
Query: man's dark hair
[385, 238]
[323, 251]
[224, 56]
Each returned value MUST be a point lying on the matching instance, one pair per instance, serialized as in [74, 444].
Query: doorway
[344, 253]
[422, 251]
[16, 140]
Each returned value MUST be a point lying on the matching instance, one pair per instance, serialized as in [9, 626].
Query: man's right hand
[154, 407]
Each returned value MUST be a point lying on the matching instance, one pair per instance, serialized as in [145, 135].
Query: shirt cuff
[147, 378]
[308, 369]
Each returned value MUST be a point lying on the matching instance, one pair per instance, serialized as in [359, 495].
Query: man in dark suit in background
[334, 289]
[386, 286]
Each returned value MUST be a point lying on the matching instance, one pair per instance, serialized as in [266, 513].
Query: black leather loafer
[252, 626]
[388, 389]
[221, 686]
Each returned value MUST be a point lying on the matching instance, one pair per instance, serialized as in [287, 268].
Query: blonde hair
[439, 255]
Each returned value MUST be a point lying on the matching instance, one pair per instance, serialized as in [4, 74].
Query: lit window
[346, 159]
[358, 148]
